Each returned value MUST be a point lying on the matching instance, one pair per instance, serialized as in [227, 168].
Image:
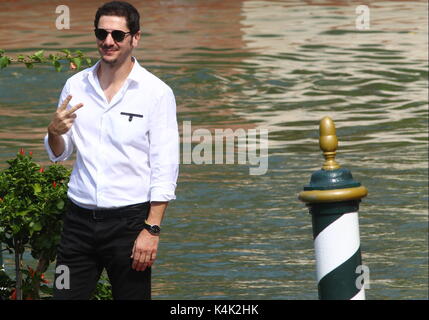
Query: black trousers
[89, 243]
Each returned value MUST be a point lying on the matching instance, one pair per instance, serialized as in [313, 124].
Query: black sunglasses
[117, 35]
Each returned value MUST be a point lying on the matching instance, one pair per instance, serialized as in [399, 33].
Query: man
[123, 127]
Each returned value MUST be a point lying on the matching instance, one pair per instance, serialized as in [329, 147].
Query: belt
[101, 214]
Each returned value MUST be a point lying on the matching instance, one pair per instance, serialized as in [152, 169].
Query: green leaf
[29, 65]
[60, 205]
[46, 290]
[22, 213]
[15, 228]
[4, 61]
[35, 226]
[57, 65]
[66, 51]
[37, 188]
[38, 56]
[39, 53]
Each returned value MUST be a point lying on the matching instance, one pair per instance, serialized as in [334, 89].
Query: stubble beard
[109, 62]
[105, 59]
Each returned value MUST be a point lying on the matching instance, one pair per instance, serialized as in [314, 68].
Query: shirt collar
[136, 71]
[134, 75]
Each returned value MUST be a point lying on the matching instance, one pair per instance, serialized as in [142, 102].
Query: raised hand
[63, 119]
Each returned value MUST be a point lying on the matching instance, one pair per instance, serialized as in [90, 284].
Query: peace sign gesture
[63, 119]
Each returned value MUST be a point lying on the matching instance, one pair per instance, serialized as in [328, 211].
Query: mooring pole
[333, 199]
[1, 258]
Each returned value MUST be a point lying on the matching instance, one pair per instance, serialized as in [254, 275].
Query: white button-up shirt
[127, 151]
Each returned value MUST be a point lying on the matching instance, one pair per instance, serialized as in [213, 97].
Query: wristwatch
[152, 228]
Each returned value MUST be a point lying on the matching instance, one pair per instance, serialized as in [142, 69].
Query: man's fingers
[76, 107]
[136, 257]
[65, 102]
[142, 260]
[68, 124]
[134, 248]
[69, 117]
[153, 257]
[140, 263]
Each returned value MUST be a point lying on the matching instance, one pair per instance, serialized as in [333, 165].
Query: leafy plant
[6, 285]
[75, 59]
[32, 202]
[31, 285]
[103, 291]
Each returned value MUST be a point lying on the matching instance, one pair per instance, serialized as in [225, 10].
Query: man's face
[112, 51]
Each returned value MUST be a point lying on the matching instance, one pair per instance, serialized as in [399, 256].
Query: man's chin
[109, 60]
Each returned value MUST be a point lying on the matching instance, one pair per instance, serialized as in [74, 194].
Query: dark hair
[120, 9]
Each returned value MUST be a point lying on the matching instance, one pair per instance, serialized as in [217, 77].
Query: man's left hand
[144, 250]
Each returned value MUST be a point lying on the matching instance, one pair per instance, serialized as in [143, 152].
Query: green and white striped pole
[333, 199]
[1, 258]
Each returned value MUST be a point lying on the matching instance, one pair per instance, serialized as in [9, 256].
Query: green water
[280, 66]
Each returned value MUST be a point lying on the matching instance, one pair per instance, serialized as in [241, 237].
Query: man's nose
[109, 40]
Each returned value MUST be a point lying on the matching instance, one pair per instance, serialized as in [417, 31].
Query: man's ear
[136, 38]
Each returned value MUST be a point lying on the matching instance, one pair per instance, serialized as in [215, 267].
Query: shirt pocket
[128, 127]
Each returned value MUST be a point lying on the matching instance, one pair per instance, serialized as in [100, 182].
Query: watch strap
[153, 229]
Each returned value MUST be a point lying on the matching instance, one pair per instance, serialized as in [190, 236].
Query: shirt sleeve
[164, 149]
[68, 143]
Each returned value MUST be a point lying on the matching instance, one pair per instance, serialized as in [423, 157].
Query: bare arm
[56, 142]
[156, 214]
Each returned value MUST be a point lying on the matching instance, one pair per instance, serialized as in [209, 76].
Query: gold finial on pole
[328, 143]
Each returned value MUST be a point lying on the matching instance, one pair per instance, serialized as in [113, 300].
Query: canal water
[261, 65]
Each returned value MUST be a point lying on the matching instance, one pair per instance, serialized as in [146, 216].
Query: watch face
[155, 229]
